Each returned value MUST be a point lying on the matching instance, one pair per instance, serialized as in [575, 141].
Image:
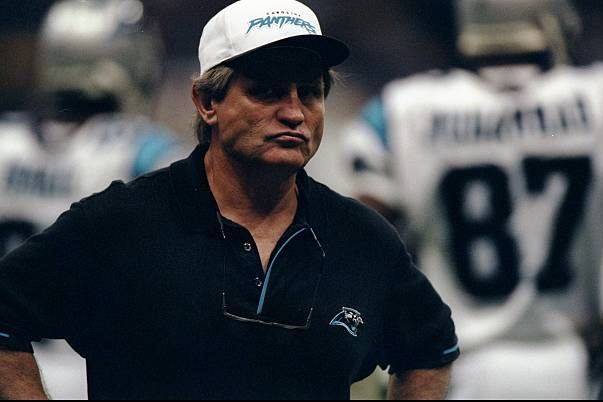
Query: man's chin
[282, 165]
[287, 157]
[282, 156]
[282, 159]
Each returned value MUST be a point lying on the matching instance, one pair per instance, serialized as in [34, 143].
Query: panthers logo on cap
[280, 21]
[350, 319]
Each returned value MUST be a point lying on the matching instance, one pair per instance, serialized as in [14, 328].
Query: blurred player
[498, 170]
[99, 64]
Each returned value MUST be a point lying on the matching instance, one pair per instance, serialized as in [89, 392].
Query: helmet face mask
[516, 30]
[98, 52]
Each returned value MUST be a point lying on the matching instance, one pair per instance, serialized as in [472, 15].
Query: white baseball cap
[249, 25]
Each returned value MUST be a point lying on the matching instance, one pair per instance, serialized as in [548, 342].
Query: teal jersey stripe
[150, 150]
[374, 115]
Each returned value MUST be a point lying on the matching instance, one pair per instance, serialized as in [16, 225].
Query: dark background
[389, 38]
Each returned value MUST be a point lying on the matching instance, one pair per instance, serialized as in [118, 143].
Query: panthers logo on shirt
[350, 319]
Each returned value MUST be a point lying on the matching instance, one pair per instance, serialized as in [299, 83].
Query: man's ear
[205, 107]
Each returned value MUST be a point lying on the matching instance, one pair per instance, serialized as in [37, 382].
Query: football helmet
[98, 56]
[516, 28]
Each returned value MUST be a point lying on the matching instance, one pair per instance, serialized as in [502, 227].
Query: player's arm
[420, 384]
[20, 377]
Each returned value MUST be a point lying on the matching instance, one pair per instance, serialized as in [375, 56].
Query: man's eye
[310, 92]
[267, 92]
[276, 92]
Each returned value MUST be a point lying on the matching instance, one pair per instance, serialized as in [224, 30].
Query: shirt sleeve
[419, 331]
[44, 285]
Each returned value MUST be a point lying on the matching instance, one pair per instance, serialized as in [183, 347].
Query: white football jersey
[503, 188]
[45, 167]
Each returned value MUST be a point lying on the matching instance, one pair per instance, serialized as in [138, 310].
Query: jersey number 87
[556, 274]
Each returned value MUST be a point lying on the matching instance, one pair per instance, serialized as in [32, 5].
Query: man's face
[274, 112]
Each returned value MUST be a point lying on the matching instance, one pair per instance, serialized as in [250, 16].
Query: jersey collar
[196, 203]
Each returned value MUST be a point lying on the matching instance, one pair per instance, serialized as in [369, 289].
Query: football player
[497, 167]
[98, 66]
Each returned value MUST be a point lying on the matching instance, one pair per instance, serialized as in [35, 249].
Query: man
[231, 274]
[98, 66]
[497, 168]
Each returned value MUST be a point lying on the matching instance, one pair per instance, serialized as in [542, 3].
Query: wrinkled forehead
[281, 64]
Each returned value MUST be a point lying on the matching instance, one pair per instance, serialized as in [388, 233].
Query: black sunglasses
[259, 321]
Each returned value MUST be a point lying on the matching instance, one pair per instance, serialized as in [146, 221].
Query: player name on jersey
[22, 179]
[502, 187]
[569, 117]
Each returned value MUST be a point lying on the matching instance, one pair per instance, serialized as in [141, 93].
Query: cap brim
[331, 51]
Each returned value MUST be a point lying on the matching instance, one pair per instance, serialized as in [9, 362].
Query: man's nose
[291, 111]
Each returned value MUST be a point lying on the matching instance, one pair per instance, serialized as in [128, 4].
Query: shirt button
[259, 282]
[247, 247]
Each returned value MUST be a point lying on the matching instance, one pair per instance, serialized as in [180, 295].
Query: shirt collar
[197, 205]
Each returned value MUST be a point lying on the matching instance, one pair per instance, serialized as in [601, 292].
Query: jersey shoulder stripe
[373, 115]
[151, 148]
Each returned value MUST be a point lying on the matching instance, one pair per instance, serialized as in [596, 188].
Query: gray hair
[214, 85]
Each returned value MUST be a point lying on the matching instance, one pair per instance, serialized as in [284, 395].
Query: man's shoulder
[130, 198]
[425, 85]
[572, 78]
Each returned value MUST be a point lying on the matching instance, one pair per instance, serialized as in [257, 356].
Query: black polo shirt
[167, 299]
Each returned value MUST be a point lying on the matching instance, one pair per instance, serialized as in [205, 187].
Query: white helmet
[513, 28]
[98, 56]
